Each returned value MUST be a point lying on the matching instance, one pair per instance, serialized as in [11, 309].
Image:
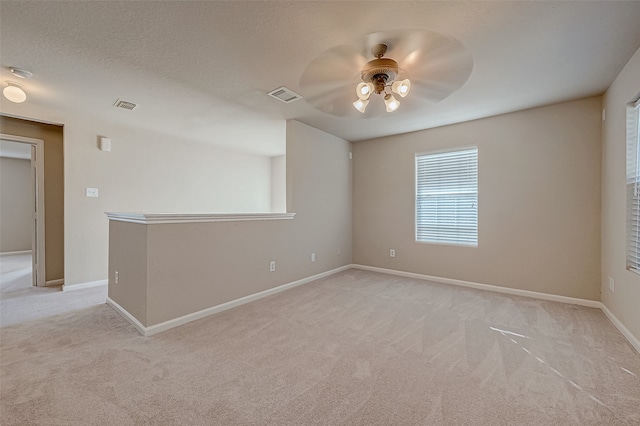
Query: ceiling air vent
[285, 95]
[124, 104]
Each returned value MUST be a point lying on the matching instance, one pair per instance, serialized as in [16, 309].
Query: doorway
[24, 149]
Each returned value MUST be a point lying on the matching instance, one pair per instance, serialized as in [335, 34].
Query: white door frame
[38, 236]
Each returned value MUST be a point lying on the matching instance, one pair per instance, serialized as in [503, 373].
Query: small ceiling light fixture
[378, 75]
[14, 92]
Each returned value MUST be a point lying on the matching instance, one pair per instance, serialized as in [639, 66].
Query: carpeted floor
[20, 301]
[355, 348]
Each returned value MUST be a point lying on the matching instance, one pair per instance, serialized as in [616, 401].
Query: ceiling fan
[428, 64]
[377, 76]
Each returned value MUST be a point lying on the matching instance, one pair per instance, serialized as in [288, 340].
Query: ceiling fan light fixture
[436, 64]
[14, 92]
[363, 90]
[391, 102]
[361, 105]
[377, 75]
[401, 87]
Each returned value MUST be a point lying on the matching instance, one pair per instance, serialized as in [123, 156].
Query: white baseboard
[82, 286]
[164, 326]
[126, 315]
[633, 340]
[158, 328]
[54, 282]
[494, 288]
[14, 253]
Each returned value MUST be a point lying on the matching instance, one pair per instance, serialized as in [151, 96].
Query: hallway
[21, 302]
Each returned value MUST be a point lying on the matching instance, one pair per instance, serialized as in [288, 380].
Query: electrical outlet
[91, 192]
[116, 277]
[272, 266]
[612, 285]
[313, 257]
[392, 253]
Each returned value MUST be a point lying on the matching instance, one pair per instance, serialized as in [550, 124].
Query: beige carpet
[356, 348]
[20, 301]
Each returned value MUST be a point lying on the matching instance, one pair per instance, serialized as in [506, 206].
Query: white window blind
[633, 186]
[447, 197]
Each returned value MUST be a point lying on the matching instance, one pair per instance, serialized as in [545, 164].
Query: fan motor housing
[385, 67]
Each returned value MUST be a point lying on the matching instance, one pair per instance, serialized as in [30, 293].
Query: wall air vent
[285, 95]
[124, 104]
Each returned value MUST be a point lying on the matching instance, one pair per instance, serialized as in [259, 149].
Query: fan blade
[337, 100]
[437, 65]
[328, 83]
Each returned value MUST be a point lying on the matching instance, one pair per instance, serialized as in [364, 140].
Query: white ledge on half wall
[161, 218]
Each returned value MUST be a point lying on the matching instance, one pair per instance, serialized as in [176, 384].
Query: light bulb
[14, 92]
[391, 102]
[401, 87]
[363, 90]
[361, 104]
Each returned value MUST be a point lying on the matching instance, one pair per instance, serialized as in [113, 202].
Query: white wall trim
[162, 218]
[38, 239]
[494, 288]
[633, 340]
[82, 286]
[158, 328]
[51, 283]
[127, 316]
[15, 253]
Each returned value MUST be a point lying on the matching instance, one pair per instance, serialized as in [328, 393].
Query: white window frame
[633, 186]
[455, 188]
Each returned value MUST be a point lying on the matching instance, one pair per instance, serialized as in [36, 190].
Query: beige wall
[150, 173]
[54, 189]
[279, 184]
[144, 172]
[16, 204]
[539, 201]
[190, 267]
[128, 256]
[624, 303]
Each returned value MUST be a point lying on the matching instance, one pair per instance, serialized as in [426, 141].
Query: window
[447, 197]
[633, 186]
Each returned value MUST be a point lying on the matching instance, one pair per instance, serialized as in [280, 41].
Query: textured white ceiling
[201, 69]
